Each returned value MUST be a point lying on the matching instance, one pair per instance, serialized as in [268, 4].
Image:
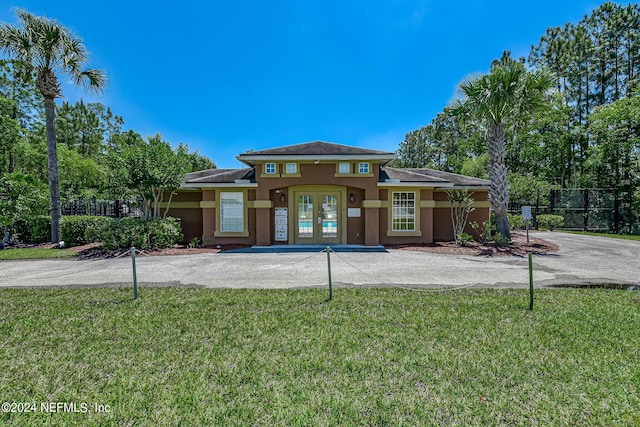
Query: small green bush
[73, 229]
[164, 232]
[35, 230]
[501, 240]
[482, 231]
[195, 243]
[550, 222]
[464, 239]
[134, 232]
[516, 222]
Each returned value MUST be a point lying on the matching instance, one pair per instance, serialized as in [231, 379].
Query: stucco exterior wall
[367, 224]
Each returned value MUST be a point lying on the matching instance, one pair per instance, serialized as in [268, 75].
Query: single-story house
[321, 193]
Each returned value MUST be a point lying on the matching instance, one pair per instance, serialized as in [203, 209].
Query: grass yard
[181, 356]
[34, 253]
[611, 235]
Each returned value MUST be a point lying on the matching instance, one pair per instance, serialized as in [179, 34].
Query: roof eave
[416, 184]
[202, 185]
[466, 187]
[251, 160]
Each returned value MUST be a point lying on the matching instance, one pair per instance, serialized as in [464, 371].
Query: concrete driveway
[581, 260]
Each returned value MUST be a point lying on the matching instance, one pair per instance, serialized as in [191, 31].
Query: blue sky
[228, 76]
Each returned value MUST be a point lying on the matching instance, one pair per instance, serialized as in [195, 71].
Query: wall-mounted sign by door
[282, 222]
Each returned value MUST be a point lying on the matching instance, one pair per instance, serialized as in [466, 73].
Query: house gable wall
[365, 199]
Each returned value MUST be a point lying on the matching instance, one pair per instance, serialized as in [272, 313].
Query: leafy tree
[614, 159]
[50, 48]
[18, 84]
[80, 177]
[507, 94]
[546, 145]
[200, 162]
[461, 206]
[10, 134]
[476, 166]
[80, 128]
[151, 168]
[444, 144]
[21, 199]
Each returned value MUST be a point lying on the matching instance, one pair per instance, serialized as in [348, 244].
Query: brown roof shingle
[430, 175]
[315, 148]
[219, 176]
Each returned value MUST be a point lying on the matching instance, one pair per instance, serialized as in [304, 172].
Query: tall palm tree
[49, 48]
[507, 94]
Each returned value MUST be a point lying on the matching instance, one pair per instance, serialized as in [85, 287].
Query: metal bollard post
[530, 281]
[135, 278]
[329, 272]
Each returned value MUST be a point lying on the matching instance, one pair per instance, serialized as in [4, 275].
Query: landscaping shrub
[501, 240]
[34, 230]
[516, 222]
[550, 222]
[482, 231]
[164, 232]
[73, 229]
[464, 239]
[127, 232]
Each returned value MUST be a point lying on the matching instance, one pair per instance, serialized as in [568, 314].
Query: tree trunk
[54, 182]
[499, 187]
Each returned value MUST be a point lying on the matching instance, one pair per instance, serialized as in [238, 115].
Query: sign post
[526, 214]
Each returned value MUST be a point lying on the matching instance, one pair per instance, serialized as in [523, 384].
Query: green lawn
[613, 236]
[35, 253]
[182, 356]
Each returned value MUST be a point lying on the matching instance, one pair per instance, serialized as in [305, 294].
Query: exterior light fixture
[352, 197]
[282, 198]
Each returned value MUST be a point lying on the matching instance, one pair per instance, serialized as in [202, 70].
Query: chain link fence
[586, 209]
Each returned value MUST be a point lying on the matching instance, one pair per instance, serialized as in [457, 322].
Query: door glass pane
[305, 215]
[329, 216]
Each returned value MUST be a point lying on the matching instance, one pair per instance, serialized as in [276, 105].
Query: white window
[231, 212]
[363, 168]
[292, 168]
[403, 211]
[270, 168]
[344, 167]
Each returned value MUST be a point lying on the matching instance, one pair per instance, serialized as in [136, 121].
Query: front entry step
[306, 248]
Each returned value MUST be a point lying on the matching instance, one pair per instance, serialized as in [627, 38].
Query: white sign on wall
[353, 212]
[282, 222]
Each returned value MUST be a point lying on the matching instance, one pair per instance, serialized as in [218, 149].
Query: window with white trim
[292, 168]
[344, 167]
[270, 168]
[403, 211]
[231, 212]
[363, 167]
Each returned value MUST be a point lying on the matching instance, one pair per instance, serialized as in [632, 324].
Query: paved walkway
[581, 260]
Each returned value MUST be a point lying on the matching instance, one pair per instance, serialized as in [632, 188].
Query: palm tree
[49, 48]
[499, 99]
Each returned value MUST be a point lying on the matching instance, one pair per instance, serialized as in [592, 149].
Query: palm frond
[50, 48]
[16, 42]
[93, 80]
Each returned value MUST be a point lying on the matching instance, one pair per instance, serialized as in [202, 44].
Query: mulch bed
[517, 247]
